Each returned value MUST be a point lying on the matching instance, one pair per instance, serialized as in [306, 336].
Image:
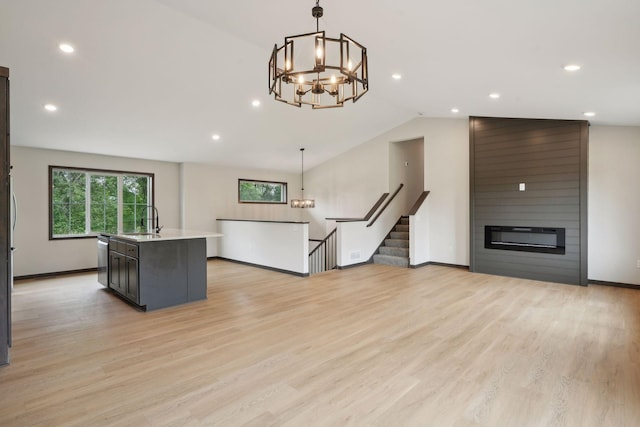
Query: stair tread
[391, 260]
[399, 243]
[404, 235]
[394, 250]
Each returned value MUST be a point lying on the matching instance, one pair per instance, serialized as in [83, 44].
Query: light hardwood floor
[368, 346]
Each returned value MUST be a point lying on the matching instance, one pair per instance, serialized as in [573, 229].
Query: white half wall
[35, 253]
[419, 236]
[279, 245]
[614, 204]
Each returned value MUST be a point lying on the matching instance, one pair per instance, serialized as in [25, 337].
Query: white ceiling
[155, 79]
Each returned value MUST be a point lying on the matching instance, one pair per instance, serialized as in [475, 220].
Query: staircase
[395, 248]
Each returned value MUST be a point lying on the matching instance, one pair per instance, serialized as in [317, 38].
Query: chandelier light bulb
[319, 53]
[333, 79]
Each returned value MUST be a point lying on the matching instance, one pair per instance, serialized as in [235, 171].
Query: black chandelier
[324, 73]
[302, 202]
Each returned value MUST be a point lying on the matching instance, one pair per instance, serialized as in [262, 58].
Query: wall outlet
[354, 255]
[638, 263]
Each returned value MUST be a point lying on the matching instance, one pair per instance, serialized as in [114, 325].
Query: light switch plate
[522, 186]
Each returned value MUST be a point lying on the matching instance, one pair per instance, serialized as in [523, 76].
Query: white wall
[419, 236]
[280, 245]
[406, 166]
[348, 185]
[35, 253]
[211, 192]
[614, 204]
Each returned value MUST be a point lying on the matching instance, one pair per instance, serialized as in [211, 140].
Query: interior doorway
[406, 166]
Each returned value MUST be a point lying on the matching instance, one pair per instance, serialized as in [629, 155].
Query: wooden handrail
[419, 202]
[376, 206]
[367, 216]
[385, 206]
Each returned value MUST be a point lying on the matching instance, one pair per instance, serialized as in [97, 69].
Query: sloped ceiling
[155, 79]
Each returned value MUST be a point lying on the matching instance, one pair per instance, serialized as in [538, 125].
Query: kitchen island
[155, 270]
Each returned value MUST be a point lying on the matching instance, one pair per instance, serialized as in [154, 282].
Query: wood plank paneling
[549, 157]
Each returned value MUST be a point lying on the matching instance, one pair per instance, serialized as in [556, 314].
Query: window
[85, 202]
[252, 191]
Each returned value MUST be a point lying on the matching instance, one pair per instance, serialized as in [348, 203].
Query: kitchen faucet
[158, 227]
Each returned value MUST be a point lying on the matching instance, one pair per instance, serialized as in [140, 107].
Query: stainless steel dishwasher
[103, 260]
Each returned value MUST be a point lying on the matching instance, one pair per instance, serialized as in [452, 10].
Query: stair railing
[324, 256]
[395, 193]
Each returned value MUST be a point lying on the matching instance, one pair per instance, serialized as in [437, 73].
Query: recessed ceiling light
[455, 110]
[255, 102]
[494, 95]
[66, 48]
[215, 137]
[571, 67]
[50, 107]
[589, 114]
[396, 76]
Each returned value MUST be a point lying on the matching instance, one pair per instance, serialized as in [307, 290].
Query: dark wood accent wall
[550, 158]
[5, 215]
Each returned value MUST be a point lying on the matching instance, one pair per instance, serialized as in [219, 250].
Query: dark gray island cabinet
[156, 271]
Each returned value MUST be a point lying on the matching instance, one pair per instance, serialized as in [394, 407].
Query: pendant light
[302, 202]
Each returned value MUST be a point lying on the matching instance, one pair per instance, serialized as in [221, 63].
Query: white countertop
[166, 234]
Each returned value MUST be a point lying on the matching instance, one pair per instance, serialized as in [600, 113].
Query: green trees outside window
[68, 202]
[251, 191]
[135, 198]
[87, 202]
[104, 203]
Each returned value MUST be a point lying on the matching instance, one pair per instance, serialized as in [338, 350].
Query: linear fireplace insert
[529, 239]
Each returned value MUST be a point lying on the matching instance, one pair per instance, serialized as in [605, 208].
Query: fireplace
[528, 239]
